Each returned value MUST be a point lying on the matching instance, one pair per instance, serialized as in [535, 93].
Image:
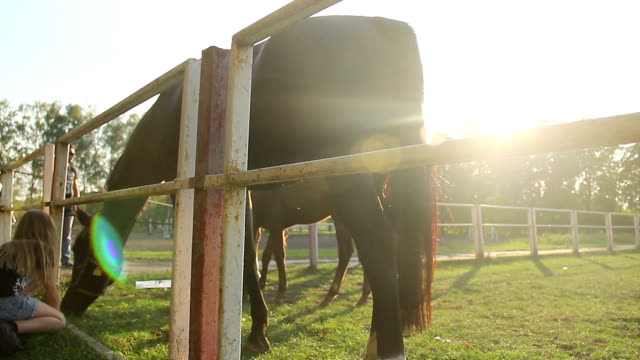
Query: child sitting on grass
[26, 269]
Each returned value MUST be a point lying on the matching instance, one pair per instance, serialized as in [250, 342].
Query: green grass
[303, 254]
[546, 241]
[557, 307]
[140, 254]
[60, 345]
[292, 254]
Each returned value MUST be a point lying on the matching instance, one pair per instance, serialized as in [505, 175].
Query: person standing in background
[72, 190]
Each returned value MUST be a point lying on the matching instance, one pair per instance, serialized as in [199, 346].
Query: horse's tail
[415, 217]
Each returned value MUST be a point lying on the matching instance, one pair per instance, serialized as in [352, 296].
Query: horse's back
[325, 84]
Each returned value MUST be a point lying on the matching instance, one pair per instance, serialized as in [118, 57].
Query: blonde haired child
[26, 269]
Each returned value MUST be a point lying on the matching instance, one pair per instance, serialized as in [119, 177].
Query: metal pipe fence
[477, 229]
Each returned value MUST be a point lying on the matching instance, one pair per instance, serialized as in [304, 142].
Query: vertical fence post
[313, 246]
[533, 232]
[476, 218]
[609, 230]
[58, 193]
[181, 274]
[47, 180]
[233, 219]
[6, 199]
[207, 210]
[574, 231]
[636, 224]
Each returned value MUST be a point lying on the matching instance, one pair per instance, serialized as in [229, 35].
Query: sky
[492, 65]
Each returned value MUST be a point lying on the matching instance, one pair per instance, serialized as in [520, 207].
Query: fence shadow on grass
[462, 281]
[602, 265]
[546, 272]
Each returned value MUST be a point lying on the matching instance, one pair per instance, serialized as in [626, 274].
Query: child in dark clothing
[26, 269]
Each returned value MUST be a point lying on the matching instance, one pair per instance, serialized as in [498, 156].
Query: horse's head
[87, 280]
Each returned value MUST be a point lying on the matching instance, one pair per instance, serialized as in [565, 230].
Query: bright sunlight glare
[491, 66]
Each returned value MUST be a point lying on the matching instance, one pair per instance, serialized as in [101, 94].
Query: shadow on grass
[297, 318]
[58, 345]
[602, 265]
[123, 315]
[546, 272]
[464, 280]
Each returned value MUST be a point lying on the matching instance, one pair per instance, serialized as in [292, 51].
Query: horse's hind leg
[345, 250]
[358, 205]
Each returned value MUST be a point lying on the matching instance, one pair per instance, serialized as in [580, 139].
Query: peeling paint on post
[181, 275]
[57, 211]
[207, 209]
[236, 150]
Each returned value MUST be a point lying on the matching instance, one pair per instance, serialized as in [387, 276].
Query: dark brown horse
[324, 87]
[278, 209]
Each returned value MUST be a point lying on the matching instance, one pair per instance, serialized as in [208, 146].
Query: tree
[629, 180]
[29, 126]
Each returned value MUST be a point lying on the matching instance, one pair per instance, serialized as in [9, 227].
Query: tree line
[27, 127]
[604, 179]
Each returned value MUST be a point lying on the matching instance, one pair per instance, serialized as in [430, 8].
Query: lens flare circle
[107, 247]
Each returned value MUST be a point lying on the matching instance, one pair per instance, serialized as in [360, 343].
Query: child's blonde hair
[30, 253]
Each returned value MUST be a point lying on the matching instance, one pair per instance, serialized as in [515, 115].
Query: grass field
[556, 307]
[452, 245]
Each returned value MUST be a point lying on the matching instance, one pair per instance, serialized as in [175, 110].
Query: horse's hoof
[259, 345]
[362, 301]
[327, 300]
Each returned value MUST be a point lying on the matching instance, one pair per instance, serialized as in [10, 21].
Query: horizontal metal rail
[553, 226]
[504, 225]
[601, 132]
[160, 203]
[25, 207]
[485, 206]
[455, 204]
[34, 155]
[604, 131]
[169, 79]
[280, 19]
[551, 210]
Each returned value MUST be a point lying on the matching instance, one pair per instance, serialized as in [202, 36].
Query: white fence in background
[478, 228]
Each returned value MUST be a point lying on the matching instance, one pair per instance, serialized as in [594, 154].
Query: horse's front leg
[366, 290]
[257, 340]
